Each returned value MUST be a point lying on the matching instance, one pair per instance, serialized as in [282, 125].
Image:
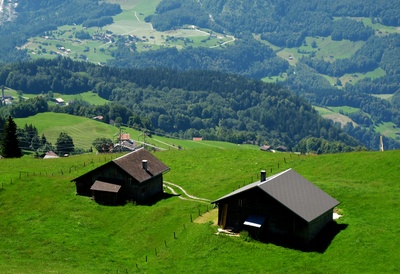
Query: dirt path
[188, 197]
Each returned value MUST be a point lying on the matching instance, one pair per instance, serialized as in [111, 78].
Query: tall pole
[120, 141]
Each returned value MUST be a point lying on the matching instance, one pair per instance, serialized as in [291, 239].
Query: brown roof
[125, 136]
[131, 163]
[294, 192]
[107, 187]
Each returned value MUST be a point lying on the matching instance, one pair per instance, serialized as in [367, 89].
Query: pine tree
[64, 144]
[9, 146]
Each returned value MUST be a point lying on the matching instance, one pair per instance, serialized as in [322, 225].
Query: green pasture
[344, 109]
[274, 79]
[46, 228]
[90, 97]
[388, 129]
[145, 7]
[383, 96]
[327, 49]
[379, 28]
[353, 78]
[337, 49]
[322, 111]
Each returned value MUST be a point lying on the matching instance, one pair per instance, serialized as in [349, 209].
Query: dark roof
[131, 163]
[294, 192]
[106, 187]
[265, 147]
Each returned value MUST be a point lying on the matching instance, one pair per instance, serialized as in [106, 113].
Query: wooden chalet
[284, 204]
[136, 176]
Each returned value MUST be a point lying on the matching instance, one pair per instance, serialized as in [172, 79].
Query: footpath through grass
[46, 228]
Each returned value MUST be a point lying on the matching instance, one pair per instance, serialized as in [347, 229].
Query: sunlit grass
[46, 228]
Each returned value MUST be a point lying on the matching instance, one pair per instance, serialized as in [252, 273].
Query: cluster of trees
[29, 139]
[321, 146]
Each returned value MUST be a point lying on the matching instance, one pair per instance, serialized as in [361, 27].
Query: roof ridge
[273, 177]
[120, 157]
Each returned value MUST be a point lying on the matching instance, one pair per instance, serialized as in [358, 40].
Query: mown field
[46, 228]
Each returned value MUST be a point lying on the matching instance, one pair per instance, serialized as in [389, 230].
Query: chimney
[144, 164]
[263, 176]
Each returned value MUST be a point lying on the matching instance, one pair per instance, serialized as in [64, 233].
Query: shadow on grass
[157, 198]
[149, 202]
[319, 244]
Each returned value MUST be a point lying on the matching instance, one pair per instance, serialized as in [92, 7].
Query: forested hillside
[212, 105]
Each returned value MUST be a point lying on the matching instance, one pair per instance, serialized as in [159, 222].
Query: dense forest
[247, 57]
[213, 105]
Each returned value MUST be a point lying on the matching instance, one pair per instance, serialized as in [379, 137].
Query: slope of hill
[215, 106]
[46, 228]
[84, 131]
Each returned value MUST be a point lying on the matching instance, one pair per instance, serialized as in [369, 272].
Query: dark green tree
[64, 144]
[9, 147]
[103, 144]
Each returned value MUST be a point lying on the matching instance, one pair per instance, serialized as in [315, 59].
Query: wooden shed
[284, 204]
[136, 176]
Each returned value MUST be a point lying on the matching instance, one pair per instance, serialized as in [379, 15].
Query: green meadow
[46, 228]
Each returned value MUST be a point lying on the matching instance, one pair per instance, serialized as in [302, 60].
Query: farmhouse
[285, 204]
[136, 176]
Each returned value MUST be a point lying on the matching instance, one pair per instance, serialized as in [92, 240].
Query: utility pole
[120, 141]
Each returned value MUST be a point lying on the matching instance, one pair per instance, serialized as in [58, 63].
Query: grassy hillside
[46, 228]
[84, 130]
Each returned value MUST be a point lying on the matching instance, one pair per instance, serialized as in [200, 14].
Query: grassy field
[82, 130]
[333, 114]
[388, 129]
[46, 228]
[90, 97]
